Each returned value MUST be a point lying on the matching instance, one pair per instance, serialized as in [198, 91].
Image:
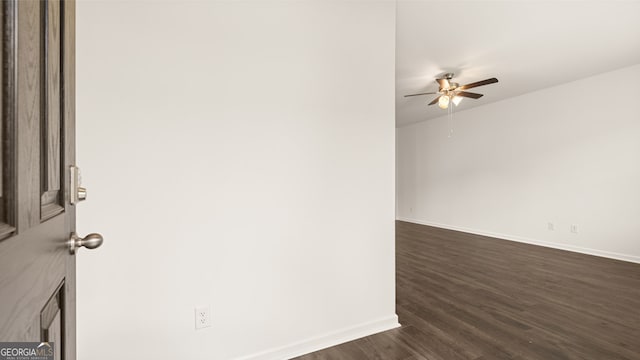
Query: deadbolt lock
[77, 193]
[82, 193]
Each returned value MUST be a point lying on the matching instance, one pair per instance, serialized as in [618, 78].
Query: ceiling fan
[452, 92]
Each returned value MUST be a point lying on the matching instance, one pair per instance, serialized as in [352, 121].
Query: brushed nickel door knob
[90, 241]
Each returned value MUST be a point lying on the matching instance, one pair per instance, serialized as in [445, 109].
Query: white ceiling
[527, 45]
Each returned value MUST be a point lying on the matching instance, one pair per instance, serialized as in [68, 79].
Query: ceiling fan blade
[444, 83]
[434, 100]
[429, 93]
[478, 83]
[469, 94]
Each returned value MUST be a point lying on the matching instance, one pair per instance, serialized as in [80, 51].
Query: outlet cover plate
[203, 317]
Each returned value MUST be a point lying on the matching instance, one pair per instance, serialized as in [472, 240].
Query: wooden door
[37, 271]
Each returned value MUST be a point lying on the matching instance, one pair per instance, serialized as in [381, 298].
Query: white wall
[567, 155]
[237, 154]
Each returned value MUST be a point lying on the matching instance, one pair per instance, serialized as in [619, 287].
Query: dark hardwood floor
[465, 296]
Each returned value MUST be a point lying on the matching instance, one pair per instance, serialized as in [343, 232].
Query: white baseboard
[578, 249]
[327, 340]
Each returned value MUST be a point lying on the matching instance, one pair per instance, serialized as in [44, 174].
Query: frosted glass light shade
[443, 102]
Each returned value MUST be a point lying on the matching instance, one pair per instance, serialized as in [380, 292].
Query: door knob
[90, 241]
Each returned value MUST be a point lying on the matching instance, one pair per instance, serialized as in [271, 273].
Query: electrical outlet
[550, 226]
[574, 228]
[203, 317]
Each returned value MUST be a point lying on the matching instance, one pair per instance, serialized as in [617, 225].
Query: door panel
[28, 112]
[37, 271]
[51, 127]
[8, 218]
[51, 321]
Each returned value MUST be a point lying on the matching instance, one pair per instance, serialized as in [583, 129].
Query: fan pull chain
[450, 116]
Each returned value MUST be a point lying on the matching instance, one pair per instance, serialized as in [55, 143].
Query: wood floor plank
[383, 346]
[346, 351]
[470, 297]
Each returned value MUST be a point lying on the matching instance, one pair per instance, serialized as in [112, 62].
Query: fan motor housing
[452, 86]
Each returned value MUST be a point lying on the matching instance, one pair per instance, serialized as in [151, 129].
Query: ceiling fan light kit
[451, 92]
[443, 102]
